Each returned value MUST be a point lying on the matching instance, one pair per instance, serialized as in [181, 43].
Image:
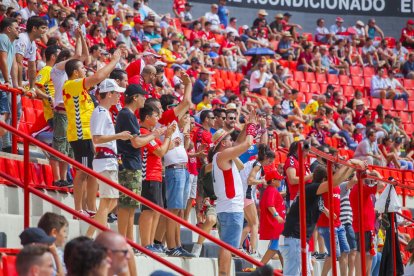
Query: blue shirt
[7, 46]
[223, 14]
[198, 90]
[252, 151]
[52, 22]
[408, 67]
[156, 47]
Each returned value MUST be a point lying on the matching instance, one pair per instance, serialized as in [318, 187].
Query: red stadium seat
[308, 36]
[391, 42]
[9, 265]
[409, 129]
[367, 81]
[374, 102]
[408, 84]
[293, 65]
[231, 75]
[400, 105]
[293, 84]
[283, 62]
[314, 88]
[224, 75]
[405, 116]
[310, 77]
[47, 175]
[348, 91]
[333, 79]
[321, 78]
[387, 104]
[304, 87]
[3, 169]
[368, 71]
[355, 71]
[411, 106]
[300, 97]
[343, 80]
[239, 76]
[298, 76]
[357, 81]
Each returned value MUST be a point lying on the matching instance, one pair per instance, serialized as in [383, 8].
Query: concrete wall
[390, 25]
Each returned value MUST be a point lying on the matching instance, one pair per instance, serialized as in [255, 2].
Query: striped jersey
[44, 82]
[346, 209]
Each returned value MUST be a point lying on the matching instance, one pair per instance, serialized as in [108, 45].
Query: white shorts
[106, 191]
[193, 186]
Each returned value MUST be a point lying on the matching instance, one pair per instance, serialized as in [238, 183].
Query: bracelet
[275, 214]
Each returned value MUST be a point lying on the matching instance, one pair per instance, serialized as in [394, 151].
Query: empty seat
[374, 102]
[400, 105]
[411, 106]
[348, 91]
[409, 84]
[333, 79]
[304, 87]
[355, 71]
[343, 80]
[357, 81]
[368, 71]
[298, 76]
[321, 78]
[387, 104]
[314, 88]
[310, 77]
[405, 116]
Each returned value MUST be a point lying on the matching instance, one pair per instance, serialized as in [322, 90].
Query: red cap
[410, 22]
[216, 101]
[273, 174]
[137, 20]
[339, 19]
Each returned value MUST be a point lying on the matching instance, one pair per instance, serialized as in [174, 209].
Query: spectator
[285, 47]
[229, 203]
[407, 34]
[401, 54]
[306, 61]
[223, 13]
[396, 87]
[272, 210]
[130, 175]
[186, 18]
[368, 150]
[206, 102]
[34, 259]
[338, 29]
[201, 85]
[213, 17]
[30, 10]
[291, 170]
[125, 36]
[322, 33]
[380, 88]
[290, 239]
[372, 29]
[408, 67]
[360, 32]
[347, 133]
[277, 26]
[232, 27]
[261, 15]
[51, 16]
[104, 139]
[369, 53]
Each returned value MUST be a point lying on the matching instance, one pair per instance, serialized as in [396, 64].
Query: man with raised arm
[228, 187]
[79, 107]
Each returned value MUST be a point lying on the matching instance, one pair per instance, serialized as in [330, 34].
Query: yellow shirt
[45, 83]
[79, 108]
[311, 108]
[202, 106]
[168, 56]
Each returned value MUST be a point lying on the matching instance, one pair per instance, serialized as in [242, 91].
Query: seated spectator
[346, 133]
[206, 101]
[372, 30]
[317, 134]
[34, 259]
[305, 61]
[337, 28]
[322, 33]
[407, 34]
[285, 48]
[396, 148]
[401, 54]
[260, 79]
[359, 131]
[408, 67]
[360, 32]
[369, 53]
[201, 85]
[277, 26]
[379, 86]
[396, 87]
[213, 18]
[312, 107]
[386, 54]
[368, 150]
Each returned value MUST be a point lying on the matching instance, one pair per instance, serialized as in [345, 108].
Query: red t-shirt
[368, 212]
[168, 117]
[206, 35]
[109, 43]
[358, 137]
[134, 68]
[291, 162]
[192, 163]
[308, 58]
[323, 219]
[192, 73]
[358, 116]
[202, 136]
[269, 228]
[407, 32]
[179, 5]
[151, 164]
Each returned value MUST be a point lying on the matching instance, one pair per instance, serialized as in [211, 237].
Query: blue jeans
[376, 262]
[177, 192]
[230, 227]
[340, 240]
[406, 164]
[350, 236]
[290, 250]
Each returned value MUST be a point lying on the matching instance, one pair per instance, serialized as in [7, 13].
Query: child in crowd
[272, 210]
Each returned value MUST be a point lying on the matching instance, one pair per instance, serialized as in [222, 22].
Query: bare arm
[294, 179]
[186, 103]
[101, 139]
[3, 67]
[140, 141]
[251, 180]
[228, 154]
[104, 72]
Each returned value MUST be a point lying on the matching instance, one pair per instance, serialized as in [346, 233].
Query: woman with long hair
[253, 174]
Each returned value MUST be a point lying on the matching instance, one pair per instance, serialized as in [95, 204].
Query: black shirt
[314, 205]
[131, 157]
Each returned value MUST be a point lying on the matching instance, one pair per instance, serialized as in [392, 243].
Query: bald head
[118, 250]
[321, 99]
[148, 69]
[110, 239]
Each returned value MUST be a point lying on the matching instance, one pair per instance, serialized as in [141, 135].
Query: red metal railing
[28, 139]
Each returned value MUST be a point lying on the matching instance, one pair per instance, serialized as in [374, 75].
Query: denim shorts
[177, 182]
[340, 240]
[4, 103]
[274, 245]
[230, 227]
[350, 236]
[291, 253]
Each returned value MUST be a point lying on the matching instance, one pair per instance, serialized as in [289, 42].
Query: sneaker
[179, 252]
[160, 248]
[65, 184]
[112, 217]
[197, 249]
[56, 183]
[255, 255]
[321, 256]
[83, 213]
[186, 254]
[91, 213]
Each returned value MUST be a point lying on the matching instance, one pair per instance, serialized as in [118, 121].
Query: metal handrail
[122, 189]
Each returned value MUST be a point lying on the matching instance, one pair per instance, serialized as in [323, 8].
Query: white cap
[126, 27]
[110, 85]
[360, 126]
[147, 53]
[160, 63]
[215, 44]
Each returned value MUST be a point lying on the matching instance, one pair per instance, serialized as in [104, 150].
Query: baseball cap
[135, 89]
[35, 235]
[126, 27]
[288, 14]
[360, 126]
[360, 23]
[160, 63]
[410, 22]
[216, 101]
[273, 174]
[339, 19]
[116, 19]
[138, 20]
[147, 53]
[348, 122]
[110, 85]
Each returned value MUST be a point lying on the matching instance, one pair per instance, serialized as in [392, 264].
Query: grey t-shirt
[7, 46]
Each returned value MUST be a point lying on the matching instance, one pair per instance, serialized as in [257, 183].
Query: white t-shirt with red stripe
[228, 188]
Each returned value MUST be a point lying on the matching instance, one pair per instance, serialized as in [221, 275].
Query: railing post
[26, 156]
[302, 210]
[404, 192]
[331, 217]
[361, 224]
[393, 244]
[14, 121]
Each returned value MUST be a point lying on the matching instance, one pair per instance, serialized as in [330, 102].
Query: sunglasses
[232, 118]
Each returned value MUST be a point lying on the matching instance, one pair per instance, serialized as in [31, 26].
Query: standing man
[104, 139]
[228, 187]
[223, 13]
[130, 172]
[79, 108]
[9, 29]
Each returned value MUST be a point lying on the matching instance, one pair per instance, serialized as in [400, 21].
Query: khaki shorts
[106, 191]
[211, 211]
[60, 141]
[132, 180]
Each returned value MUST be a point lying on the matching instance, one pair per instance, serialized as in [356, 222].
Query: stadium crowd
[187, 112]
